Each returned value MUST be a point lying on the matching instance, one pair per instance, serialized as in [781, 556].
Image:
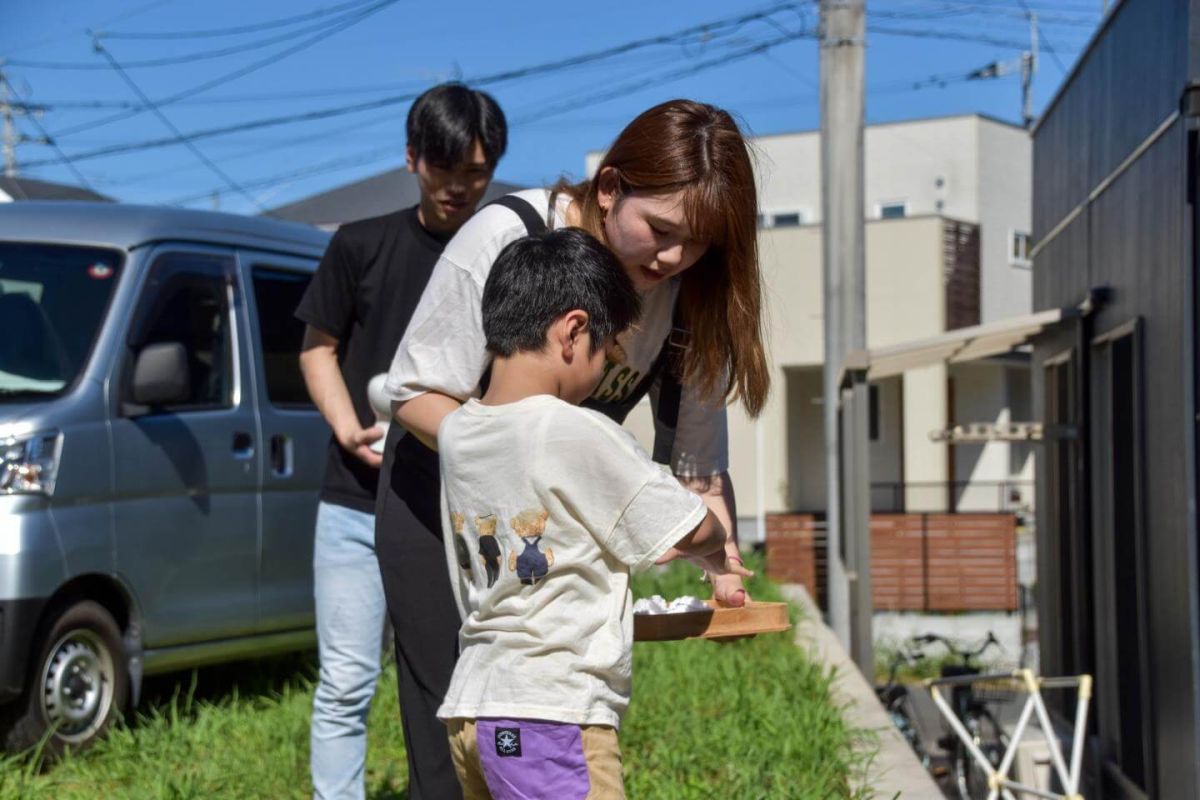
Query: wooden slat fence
[919, 562]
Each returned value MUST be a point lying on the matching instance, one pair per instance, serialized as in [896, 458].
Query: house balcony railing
[997, 497]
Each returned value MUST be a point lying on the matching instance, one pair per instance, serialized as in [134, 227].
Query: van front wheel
[77, 686]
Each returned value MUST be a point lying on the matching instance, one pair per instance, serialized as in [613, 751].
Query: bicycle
[896, 699]
[971, 708]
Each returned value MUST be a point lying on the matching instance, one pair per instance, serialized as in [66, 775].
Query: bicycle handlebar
[965, 656]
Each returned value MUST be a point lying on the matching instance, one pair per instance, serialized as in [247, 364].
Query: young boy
[548, 507]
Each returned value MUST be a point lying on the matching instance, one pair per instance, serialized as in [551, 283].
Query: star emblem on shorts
[508, 742]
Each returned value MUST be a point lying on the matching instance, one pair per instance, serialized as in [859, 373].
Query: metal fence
[996, 497]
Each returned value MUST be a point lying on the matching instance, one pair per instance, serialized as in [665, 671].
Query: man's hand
[325, 384]
[358, 443]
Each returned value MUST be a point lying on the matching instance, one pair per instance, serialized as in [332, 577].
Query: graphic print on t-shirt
[489, 547]
[461, 553]
[616, 383]
[532, 564]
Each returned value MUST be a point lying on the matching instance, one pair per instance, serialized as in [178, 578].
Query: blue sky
[386, 49]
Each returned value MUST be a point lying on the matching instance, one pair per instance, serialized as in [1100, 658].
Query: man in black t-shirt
[356, 310]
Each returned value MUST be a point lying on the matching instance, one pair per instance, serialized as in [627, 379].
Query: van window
[277, 293]
[52, 303]
[186, 300]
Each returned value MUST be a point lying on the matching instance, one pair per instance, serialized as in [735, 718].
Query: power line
[545, 111]
[487, 80]
[179, 135]
[949, 10]
[332, 165]
[49, 139]
[702, 29]
[275, 146]
[1045, 39]
[222, 79]
[958, 36]
[1089, 9]
[627, 88]
[120, 17]
[203, 55]
[264, 97]
[260, 26]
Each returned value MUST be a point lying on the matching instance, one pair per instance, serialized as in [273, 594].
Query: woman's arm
[423, 414]
[717, 493]
[443, 353]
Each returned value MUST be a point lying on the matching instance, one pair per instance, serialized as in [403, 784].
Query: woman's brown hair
[682, 145]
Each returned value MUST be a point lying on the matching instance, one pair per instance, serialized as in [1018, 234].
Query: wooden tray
[719, 623]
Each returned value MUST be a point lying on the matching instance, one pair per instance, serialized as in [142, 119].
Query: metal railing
[952, 497]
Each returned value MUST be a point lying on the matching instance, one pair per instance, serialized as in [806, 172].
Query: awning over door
[962, 344]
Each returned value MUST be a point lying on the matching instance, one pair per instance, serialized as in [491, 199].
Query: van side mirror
[160, 375]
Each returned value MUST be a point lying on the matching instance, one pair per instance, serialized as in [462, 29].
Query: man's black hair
[537, 279]
[445, 122]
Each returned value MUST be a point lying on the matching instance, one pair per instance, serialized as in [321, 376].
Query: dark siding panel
[1062, 270]
[1060, 278]
[1194, 46]
[1138, 250]
[1133, 239]
[1128, 83]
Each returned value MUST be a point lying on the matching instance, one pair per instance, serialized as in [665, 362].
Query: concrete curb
[895, 770]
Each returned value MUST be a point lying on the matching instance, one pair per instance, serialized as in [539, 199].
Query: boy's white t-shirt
[549, 507]
[443, 348]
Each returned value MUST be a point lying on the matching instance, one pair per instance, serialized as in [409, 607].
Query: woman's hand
[728, 589]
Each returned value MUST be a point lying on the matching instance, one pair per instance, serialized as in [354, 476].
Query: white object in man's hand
[381, 404]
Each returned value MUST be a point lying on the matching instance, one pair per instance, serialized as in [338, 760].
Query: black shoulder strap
[670, 388]
[534, 223]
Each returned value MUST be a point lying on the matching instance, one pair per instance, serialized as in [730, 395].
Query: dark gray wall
[1135, 238]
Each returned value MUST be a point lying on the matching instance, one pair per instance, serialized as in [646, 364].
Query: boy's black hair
[445, 121]
[537, 279]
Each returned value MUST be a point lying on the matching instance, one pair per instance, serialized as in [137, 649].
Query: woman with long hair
[674, 199]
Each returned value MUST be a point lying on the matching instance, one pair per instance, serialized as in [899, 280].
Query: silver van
[159, 455]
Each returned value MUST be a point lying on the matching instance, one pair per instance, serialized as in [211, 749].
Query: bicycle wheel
[904, 717]
[970, 778]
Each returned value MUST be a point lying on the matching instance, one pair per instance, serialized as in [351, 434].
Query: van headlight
[29, 462]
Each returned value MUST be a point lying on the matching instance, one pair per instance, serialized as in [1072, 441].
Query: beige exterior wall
[1005, 205]
[997, 472]
[920, 163]
[925, 409]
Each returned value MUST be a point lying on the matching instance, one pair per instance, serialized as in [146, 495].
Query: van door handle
[243, 445]
[282, 455]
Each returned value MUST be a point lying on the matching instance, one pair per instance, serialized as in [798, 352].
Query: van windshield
[52, 302]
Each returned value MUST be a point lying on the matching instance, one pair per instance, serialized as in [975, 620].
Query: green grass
[749, 719]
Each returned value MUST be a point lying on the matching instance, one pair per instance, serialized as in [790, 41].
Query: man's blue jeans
[350, 614]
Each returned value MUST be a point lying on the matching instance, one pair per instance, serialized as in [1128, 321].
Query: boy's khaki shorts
[515, 759]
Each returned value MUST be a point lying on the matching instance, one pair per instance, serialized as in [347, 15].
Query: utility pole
[1029, 65]
[9, 111]
[10, 130]
[842, 43]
